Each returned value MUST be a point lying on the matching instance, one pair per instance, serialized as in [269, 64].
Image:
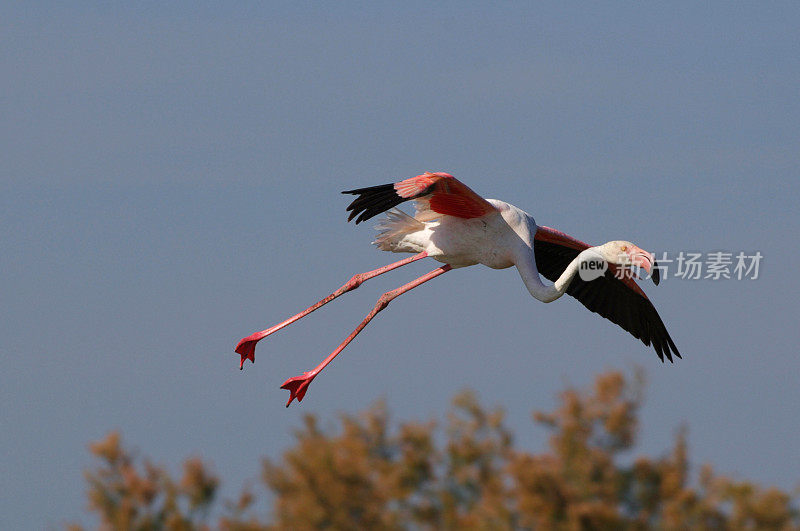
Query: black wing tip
[674, 349]
[371, 201]
[664, 346]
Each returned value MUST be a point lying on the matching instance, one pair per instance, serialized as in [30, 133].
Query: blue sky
[170, 183]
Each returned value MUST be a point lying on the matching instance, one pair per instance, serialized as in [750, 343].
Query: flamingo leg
[298, 385]
[247, 346]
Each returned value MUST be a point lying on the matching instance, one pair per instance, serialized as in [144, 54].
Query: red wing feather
[445, 195]
[440, 192]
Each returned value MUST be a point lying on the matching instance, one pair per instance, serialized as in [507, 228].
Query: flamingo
[459, 228]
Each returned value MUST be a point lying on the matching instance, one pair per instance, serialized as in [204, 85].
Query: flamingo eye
[624, 248]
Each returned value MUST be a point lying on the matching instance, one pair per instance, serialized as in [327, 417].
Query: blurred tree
[372, 476]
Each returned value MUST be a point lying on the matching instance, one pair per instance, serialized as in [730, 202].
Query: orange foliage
[375, 474]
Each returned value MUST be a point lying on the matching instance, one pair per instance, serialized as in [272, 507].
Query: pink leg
[247, 346]
[298, 385]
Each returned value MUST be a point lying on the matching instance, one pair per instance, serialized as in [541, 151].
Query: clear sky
[170, 178]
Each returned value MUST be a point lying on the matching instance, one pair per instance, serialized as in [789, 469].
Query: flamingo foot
[298, 386]
[247, 348]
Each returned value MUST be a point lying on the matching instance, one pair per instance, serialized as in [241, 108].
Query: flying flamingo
[459, 228]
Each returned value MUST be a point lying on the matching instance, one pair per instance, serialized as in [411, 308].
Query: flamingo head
[626, 254]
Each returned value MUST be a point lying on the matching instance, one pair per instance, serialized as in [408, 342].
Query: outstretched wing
[620, 300]
[436, 194]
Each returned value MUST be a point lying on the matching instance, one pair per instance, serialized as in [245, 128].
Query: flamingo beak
[647, 261]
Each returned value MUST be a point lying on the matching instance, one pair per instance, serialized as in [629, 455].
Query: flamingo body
[493, 239]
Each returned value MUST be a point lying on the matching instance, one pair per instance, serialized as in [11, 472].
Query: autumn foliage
[373, 473]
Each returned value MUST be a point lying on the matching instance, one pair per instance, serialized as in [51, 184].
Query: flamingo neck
[526, 265]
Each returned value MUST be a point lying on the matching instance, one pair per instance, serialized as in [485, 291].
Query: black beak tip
[656, 274]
